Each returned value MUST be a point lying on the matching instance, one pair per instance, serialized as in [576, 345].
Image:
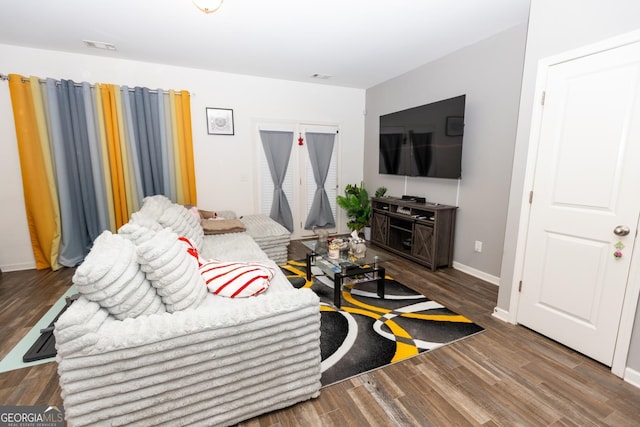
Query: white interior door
[299, 184]
[585, 186]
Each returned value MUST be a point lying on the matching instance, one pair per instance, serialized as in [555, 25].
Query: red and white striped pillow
[192, 250]
[236, 279]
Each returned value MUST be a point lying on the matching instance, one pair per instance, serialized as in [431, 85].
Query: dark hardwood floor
[505, 376]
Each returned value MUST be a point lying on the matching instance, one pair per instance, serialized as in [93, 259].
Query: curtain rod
[6, 77]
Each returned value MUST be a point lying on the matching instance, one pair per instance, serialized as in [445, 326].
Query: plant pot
[367, 233]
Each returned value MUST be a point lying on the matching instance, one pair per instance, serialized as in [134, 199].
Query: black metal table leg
[310, 258]
[337, 290]
[380, 282]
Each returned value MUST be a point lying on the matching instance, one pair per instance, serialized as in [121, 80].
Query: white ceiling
[360, 43]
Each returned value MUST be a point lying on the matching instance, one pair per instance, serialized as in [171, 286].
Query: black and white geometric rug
[367, 332]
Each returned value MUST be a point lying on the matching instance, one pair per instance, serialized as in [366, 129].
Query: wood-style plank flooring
[505, 376]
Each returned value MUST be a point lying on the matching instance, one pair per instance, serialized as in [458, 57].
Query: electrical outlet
[478, 246]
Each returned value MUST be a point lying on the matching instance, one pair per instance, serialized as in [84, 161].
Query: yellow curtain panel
[115, 177]
[177, 150]
[40, 205]
[187, 141]
[104, 151]
[184, 149]
[116, 168]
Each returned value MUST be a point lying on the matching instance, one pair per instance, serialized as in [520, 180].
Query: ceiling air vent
[99, 45]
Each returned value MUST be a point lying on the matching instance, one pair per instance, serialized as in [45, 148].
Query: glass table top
[345, 259]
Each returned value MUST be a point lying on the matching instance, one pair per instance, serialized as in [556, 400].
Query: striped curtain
[89, 154]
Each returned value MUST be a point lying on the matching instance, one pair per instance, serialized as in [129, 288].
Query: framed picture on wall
[220, 121]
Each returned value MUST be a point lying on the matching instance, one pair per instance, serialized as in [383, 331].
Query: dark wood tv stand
[421, 232]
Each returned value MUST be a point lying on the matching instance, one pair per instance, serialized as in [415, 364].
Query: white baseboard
[494, 280]
[500, 314]
[17, 267]
[632, 377]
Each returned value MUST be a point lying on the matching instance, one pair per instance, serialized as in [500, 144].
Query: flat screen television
[423, 141]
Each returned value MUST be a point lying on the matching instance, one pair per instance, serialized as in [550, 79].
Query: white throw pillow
[182, 286]
[154, 206]
[180, 220]
[111, 276]
[139, 229]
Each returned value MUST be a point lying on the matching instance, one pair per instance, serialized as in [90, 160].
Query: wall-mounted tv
[424, 140]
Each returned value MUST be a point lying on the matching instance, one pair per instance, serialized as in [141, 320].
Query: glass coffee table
[346, 269]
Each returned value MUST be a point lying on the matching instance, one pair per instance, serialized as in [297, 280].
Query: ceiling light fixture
[208, 6]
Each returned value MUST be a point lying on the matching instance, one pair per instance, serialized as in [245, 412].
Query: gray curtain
[277, 149]
[78, 163]
[166, 150]
[97, 165]
[144, 126]
[73, 170]
[320, 146]
[146, 130]
[132, 148]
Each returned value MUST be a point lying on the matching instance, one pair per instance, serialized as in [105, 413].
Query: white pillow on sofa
[154, 206]
[161, 209]
[183, 223]
[110, 275]
[178, 291]
[140, 228]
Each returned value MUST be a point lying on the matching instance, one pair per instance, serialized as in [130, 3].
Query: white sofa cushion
[180, 287]
[154, 206]
[140, 228]
[180, 220]
[232, 247]
[111, 276]
[161, 209]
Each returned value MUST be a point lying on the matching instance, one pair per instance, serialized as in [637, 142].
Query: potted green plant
[357, 205]
[381, 191]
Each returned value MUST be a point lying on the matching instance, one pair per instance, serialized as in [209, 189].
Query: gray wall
[499, 106]
[555, 27]
[489, 73]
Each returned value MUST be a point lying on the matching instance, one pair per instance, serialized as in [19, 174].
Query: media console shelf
[421, 232]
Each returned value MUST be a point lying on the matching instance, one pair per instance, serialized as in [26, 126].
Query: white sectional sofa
[124, 361]
[272, 237]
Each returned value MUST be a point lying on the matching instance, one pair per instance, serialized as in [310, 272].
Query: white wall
[556, 27]
[224, 165]
[489, 73]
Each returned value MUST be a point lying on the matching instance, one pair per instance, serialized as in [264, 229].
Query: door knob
[621, 230]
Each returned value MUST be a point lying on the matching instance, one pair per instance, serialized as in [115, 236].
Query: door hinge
[544, 94]
[530, 196]
[520, 286]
